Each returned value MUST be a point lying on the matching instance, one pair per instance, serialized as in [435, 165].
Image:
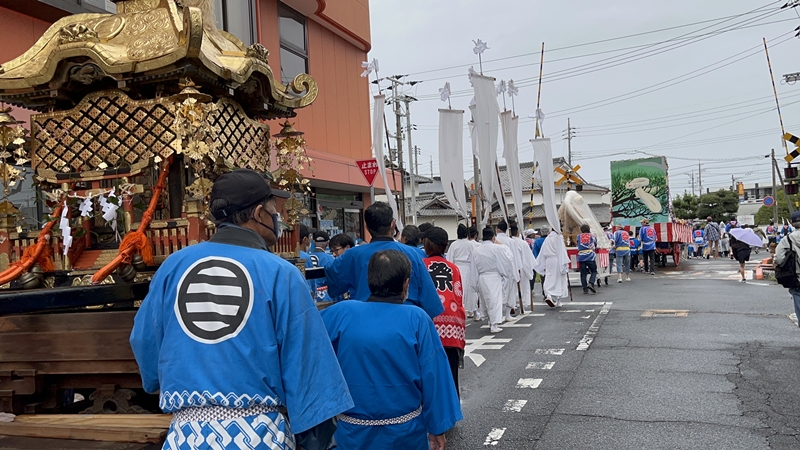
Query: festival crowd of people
[366, 356]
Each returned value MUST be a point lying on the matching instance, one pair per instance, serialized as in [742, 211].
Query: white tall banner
[510, 126]
[451, 158]
[487, 118]
[377, 150]
[543, 155]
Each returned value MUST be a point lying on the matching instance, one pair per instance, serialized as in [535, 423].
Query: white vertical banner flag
[451, 158]
[377, 150]
[487, 118]
[510, 125]
[543, 155]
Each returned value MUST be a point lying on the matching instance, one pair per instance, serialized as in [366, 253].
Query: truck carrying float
[640, 190]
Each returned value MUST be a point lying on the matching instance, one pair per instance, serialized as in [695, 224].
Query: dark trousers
[649, 260]
[586, 268]
[634, 261]
[455, 361]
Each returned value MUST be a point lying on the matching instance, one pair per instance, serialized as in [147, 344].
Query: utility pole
[396, 83]
[774, 190]
[407, 99]
[699, 179]
[733, 184]
[431, 167]
[399, 136]
[691, 175]
[570, 135]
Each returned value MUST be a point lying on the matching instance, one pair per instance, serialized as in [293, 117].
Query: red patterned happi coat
[451, 324]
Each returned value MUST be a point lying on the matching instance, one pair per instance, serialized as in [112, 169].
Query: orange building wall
[337, 124]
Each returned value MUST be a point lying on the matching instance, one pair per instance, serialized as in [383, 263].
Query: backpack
[786, 273]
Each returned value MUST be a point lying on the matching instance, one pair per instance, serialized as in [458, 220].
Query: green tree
[764, 214]
[719, 205]
[685, 207]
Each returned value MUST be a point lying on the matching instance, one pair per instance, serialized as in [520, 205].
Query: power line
[616, 60]
[585, 44]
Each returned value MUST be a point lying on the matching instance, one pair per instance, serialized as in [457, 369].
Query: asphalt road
[687, 359]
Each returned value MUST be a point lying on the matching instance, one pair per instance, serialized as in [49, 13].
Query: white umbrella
[747, 236]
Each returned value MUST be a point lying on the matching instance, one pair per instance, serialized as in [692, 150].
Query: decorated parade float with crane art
[640, 190]
[137, 113]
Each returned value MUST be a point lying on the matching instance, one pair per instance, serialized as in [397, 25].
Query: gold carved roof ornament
[147, 42]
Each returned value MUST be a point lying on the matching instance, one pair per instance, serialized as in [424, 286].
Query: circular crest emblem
[214, 299]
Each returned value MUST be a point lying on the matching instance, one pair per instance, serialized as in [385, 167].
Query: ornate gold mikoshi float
[137, 113]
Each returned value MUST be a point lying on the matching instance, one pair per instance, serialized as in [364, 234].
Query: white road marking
[514, 405]
[540, 365]
[586, 317]
[793, 318]
[528, 383]
[587, 303]
[588, 310]
[587, 339]
[549, 351]
[494, 436]
[571, 310]
[484, 343]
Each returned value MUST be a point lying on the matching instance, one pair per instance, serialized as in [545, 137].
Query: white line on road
[587, 339]
[541, 365]
[514, 405]
[489, 342]
[549, 351]
[586, 317]
[570, 310]
[528, 383]
[494, 436]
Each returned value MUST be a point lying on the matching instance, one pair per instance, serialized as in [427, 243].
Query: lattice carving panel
[106, 127]
[240, 140]
[109, 127]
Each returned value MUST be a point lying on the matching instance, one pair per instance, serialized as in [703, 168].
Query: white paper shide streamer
[451, 167]
[110, 210]
[377, 150]
[543, 156]
[66, 230]
[510, 126]
[86, 207]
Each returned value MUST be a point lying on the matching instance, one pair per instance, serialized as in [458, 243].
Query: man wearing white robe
[553, 263]
[525, 256]
[510, 296]
[493, 266]
[460, 253]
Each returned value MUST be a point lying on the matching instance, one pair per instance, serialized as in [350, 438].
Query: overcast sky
[690, 92]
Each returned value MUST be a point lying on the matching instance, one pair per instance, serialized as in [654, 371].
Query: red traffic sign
[369, 168]
[769, 201]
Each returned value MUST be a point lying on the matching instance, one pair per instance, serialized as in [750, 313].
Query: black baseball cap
[321, 236]
[437, 235]
[242, 188]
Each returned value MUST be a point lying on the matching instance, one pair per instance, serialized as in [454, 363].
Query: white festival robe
[553, 263]
[510, 285]
[526, 268]
[493, 266]
[460, 253]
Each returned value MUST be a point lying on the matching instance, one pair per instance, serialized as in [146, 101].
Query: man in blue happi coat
[394, 363]
[230, 338]
[319, 257]
[349, 271]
